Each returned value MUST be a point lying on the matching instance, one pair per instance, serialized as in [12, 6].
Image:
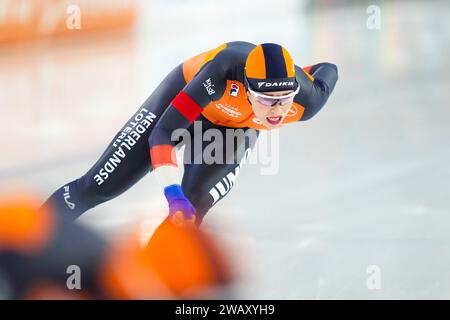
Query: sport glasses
[272, 101]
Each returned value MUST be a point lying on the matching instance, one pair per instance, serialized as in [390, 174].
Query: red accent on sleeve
[307, 69]
[186, 106]
[163, 155]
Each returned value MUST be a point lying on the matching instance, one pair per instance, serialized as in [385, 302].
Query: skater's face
[271, 112]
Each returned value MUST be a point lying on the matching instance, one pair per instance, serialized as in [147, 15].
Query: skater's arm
[208, 85]
[317, 82]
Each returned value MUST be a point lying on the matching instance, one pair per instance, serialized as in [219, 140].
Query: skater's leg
[125, 161]
[206, 184]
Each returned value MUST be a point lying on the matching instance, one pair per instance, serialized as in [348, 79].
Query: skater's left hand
[181, 211]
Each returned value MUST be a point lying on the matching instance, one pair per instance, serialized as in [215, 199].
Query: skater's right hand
[181, 211]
